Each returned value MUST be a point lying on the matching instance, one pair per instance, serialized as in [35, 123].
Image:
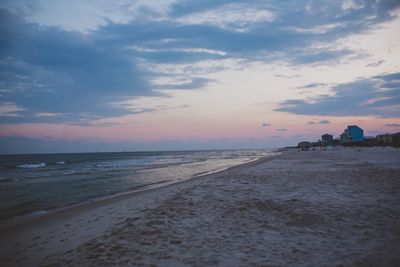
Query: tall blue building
[353, 133]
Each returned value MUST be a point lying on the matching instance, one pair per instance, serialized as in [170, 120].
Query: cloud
[350, 4]
[237, 16]
[48, 70]
[9, 109]
[191, 83]
[179, 50]
[48, 65]
[319, 122]
[393, 125]
[306, 57]
[369, 96]
[375, 64]
[324, 122]
[313, 85]
[266, 124]
[86, 15]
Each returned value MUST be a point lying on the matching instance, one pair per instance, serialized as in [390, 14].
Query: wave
[32, 166]
[35, 165]
[5, 179]
[69, 173]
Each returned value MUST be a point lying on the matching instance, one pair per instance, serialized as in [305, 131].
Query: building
[384, 138]
[370, 141]
[316, 144]
[389, 139]
[327, 140]
[345, 137]
[353, 133]
[336, 142]
[396, 139]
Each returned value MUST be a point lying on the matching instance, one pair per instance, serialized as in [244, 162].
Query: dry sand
[315, 208]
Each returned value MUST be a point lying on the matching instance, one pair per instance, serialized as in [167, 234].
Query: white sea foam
[31, 166]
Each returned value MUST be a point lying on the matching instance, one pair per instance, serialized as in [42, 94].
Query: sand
[301, 208]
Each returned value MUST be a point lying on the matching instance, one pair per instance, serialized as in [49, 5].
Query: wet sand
[314, 208]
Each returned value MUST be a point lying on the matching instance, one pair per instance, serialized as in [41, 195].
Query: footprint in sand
[33, 245]
[9, 259]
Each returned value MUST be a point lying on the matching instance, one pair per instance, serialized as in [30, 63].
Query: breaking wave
[32, 166]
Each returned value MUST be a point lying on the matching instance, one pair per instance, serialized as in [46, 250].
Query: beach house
[353, 133]
[384, 138]
[396, 139]
[327, 139]
[389, 139]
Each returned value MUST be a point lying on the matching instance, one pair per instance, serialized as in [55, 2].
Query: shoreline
[333, 207]
[37, 214]
[33, 227]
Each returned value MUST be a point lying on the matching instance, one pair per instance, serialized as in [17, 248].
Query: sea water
[31, 185]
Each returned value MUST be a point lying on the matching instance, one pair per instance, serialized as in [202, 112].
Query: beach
[335, 207]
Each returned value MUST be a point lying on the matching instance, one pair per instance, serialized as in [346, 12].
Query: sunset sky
[183, 74]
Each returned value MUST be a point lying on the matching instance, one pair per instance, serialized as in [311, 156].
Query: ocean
[33, 185]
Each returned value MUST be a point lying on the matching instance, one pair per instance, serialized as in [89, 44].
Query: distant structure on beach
[353, 133]
[305, 145]
[327, 139]
[388, 139]
[352, 136]
[384, 138]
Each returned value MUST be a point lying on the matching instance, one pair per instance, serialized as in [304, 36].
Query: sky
[86, 75]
